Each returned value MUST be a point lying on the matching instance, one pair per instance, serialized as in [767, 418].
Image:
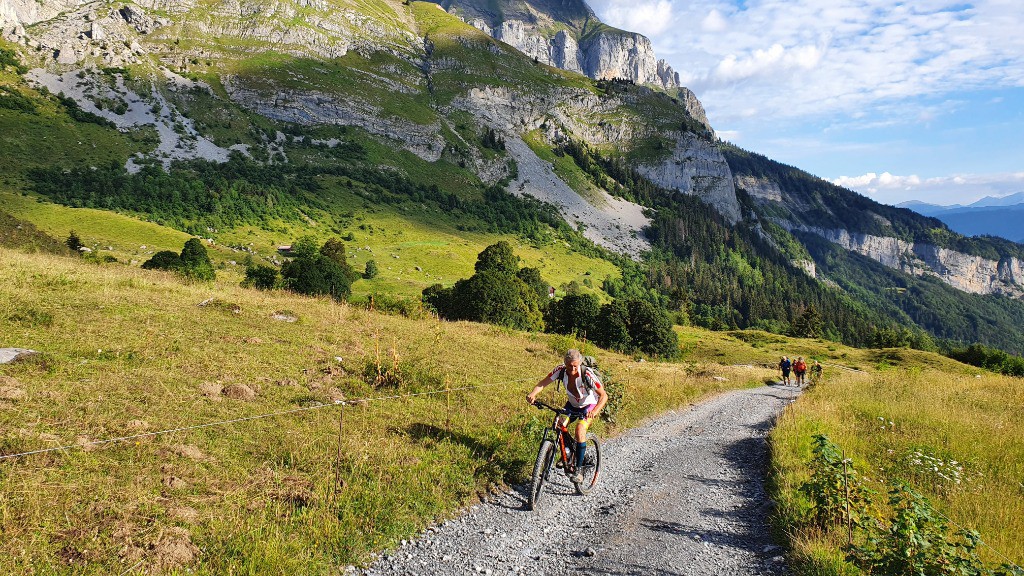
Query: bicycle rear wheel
[545, 455]
[591, 465]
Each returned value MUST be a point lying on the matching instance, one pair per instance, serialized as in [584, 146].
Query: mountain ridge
[418, 91]
[992, 216]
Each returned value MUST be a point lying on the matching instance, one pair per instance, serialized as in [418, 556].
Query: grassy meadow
[953, 432]
[124, 352]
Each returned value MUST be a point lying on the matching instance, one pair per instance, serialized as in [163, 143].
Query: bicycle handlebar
[540, 406]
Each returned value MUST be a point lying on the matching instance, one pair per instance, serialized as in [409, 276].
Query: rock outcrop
[568, 35]
[697, 167]
[973, 274]
[14, 13]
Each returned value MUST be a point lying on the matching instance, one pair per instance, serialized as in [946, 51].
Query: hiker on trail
[586, 397]
[785, 365]
[800, 368]
[816, 370]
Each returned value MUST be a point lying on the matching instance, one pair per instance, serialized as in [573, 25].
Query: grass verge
[950, 431]
[125, 351]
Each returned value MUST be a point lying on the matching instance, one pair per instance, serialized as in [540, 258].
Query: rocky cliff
[569, 35]
[973, 274]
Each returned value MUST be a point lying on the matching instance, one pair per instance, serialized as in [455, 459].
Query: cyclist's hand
[530, 399]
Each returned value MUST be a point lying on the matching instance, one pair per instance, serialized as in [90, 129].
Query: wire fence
[188, 428]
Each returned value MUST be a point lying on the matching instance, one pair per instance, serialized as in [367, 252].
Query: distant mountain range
[990, 215]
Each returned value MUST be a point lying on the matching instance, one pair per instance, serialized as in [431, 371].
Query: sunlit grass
[910, 404]
[125, 351]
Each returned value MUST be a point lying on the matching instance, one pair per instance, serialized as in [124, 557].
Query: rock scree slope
[683, 495]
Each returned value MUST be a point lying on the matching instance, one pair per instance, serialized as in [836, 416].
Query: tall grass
[952, 432]
[123, 351]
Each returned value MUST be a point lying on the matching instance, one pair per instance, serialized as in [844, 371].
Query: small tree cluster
[193, 262]
[319, 270]
[503, 293]
[491, 139]
[499, 293]
[627, 325]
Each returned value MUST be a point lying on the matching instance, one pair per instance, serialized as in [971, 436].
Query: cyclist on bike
[586, 398]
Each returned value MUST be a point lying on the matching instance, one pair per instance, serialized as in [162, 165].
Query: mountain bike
[558, 440]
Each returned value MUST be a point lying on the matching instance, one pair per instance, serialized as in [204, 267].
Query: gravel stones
[682, 495]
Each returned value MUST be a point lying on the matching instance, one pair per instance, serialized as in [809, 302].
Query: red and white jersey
[580, 394]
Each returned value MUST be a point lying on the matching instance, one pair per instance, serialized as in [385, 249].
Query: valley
[170, 423]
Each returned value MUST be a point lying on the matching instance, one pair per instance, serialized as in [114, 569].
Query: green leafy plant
[917, 542]
[835, 489]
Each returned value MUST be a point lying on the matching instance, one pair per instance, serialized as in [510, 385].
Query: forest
[702, 270]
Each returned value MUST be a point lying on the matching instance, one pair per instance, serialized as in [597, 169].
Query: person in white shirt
[586, 397]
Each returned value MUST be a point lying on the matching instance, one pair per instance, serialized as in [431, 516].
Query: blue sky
[918, 100]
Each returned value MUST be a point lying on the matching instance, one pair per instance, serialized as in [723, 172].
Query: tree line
[501, 292]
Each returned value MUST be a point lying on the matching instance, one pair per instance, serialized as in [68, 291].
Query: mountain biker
[586, 398]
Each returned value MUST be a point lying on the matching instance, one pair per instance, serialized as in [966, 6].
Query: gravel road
[682, 495]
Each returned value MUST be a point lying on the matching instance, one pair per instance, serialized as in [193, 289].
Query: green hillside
[124, 351]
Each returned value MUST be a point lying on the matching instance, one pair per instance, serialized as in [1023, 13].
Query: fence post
[448, 404]
[846, 485]
[337, 462]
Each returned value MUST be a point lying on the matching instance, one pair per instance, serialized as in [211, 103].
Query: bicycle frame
[561, 432]
[566, 446]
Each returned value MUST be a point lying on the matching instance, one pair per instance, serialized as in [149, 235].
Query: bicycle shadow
[496, 460]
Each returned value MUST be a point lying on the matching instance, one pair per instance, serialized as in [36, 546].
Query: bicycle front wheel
[545, 455]
[591, 465]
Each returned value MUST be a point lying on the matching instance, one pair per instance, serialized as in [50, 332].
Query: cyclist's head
[573, 356]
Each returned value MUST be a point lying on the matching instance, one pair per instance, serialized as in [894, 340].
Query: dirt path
[683, 495]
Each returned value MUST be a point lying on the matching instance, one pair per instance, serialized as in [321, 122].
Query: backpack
[800, 366]
[588, 371]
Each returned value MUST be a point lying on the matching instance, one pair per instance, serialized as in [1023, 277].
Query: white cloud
[714, 22]
[946, 190]
[799, 58]
[648, 17]
[729, 135]
[771, 62]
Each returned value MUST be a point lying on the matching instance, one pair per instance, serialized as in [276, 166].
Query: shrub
[574, 313]
[496, 298]
[917, 541]
[831, 476]
[195, 262]
[261, 276]
[612, 329]
[163, 260]
[370, 271]
[651, 330]
[636, 326]
[531, 276]
[499, 258]
[74, 243]
[315, 276]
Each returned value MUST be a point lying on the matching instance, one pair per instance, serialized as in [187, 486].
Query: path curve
[681, 496]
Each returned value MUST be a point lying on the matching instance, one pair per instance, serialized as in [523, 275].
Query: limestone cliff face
[15, 13]
[698, 167]
[560, 35]
[621, 55]
[973, 274]
[695, 166]
[762, 189]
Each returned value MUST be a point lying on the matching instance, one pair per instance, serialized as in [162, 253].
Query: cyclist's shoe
[577, 478]
[559, 464]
